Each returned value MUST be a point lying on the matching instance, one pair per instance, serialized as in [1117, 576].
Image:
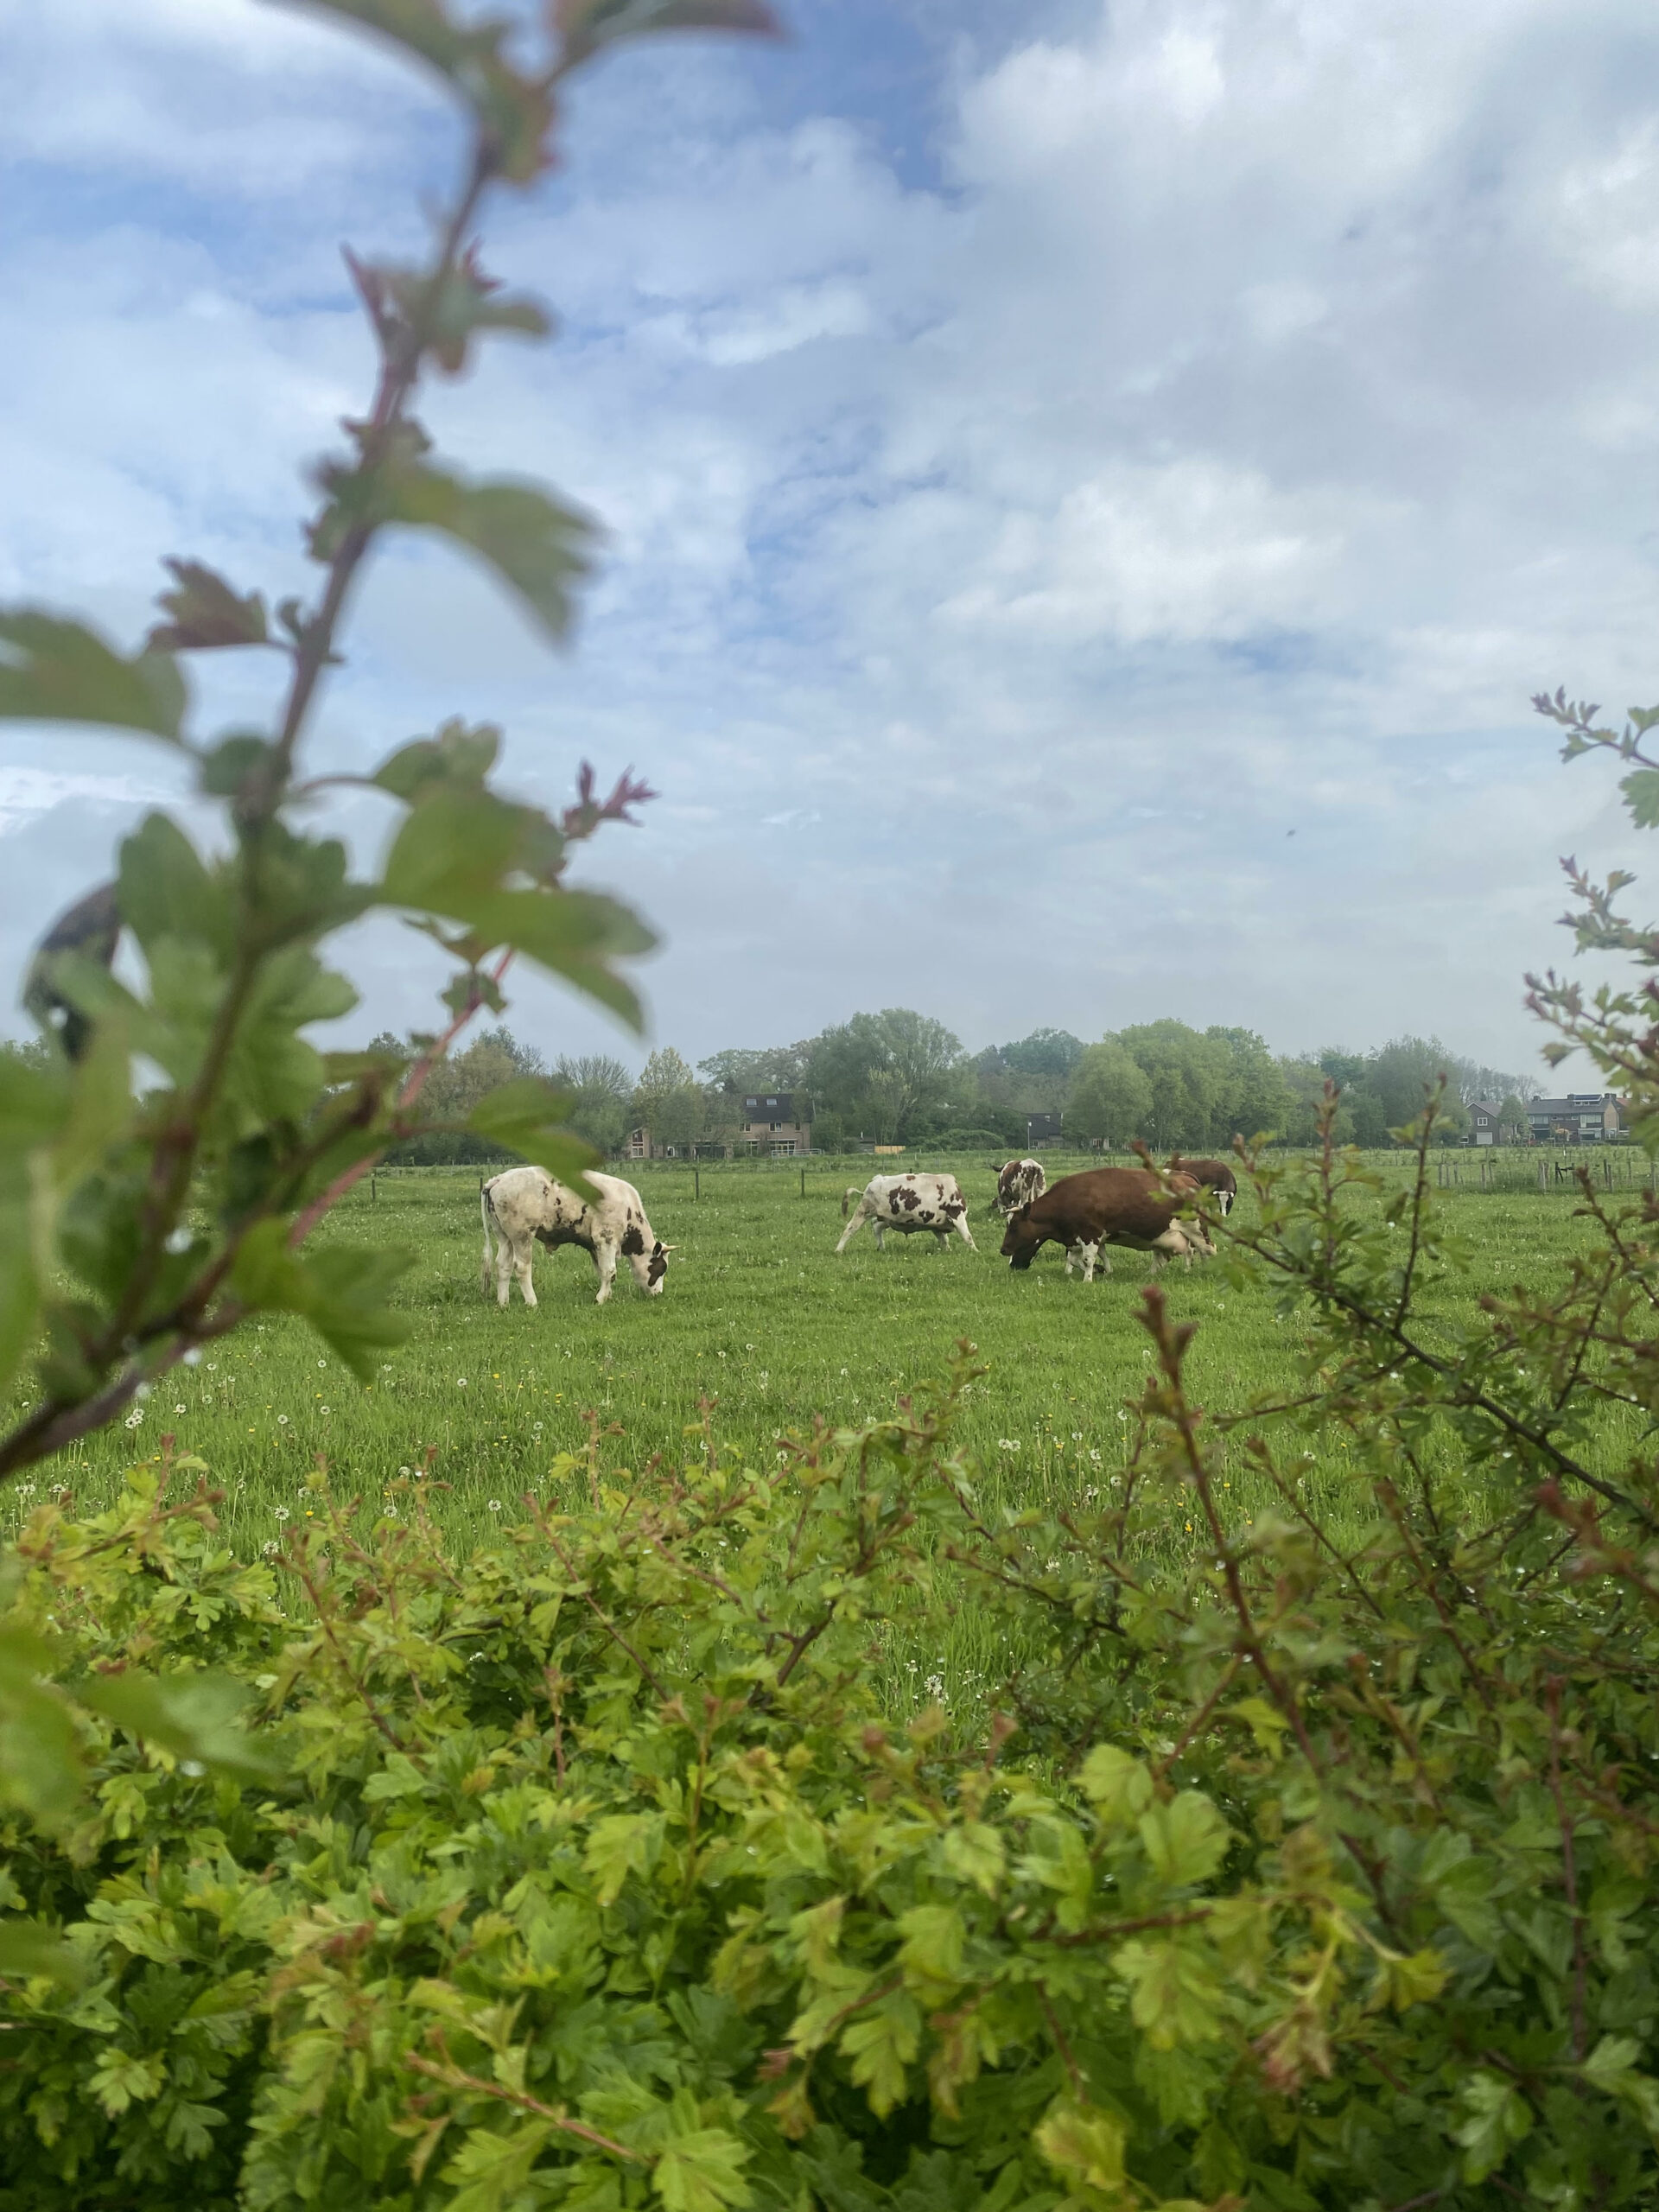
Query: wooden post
[803, 1182]
[696, 1185]
[374, 1189]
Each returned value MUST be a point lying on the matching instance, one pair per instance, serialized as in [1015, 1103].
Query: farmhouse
[1042, 1128]
[1583, 1117]
[777, 1122]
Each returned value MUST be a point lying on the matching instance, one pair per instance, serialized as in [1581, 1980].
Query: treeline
[902, 1077]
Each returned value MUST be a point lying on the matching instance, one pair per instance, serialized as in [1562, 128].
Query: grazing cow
[1018, 1184]
[524, 1205]
[1106, 1205]
[1215, 1175]
[907, 1202]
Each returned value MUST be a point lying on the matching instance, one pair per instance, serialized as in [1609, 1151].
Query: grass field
[758, 1315]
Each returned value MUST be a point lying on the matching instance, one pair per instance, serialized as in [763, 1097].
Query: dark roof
[1578, 1102]
[774, 1106]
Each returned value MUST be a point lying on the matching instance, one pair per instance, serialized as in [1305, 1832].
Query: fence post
[374, 1189]
[803, 1182]
[696, 1186]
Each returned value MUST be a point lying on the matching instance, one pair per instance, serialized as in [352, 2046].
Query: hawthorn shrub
[601, 1875]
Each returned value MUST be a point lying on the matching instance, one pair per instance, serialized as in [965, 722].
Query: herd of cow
[1139, 1207]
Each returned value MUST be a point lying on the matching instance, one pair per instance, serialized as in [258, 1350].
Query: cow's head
[656, 1268]
[1022, 1242]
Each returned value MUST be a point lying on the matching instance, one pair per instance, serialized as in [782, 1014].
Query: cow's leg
[964, 1232]
[880, 1230]
[485, 1267]
[523, 1259]
[503, 1267]
[604, 1260]
[860, 1216]
[941, 1237]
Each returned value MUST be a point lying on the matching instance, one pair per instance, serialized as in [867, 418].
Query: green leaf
[620, 1845]
[974, 1853]
[207, 613]
[535, 545]
[458, 844]
[457, 753]
[516, 110]
[527, 1116]
[586, 26]
[165, 890]
[935, 1936]
[1185, 1839]
[1640, 790]
[1118, 1786]
[1082, 2142]
[702, 2171]
[879, 2045]
[1178, 1997]
[27, 1949]
[52, 670]
[40, 1742]
[575, 934]
[1499, 2118]
[341, 1292]
[196, 1718]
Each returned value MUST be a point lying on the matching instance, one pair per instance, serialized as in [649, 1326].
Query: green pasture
[761, 1320]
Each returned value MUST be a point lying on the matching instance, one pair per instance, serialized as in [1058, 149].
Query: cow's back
[1102, 1201]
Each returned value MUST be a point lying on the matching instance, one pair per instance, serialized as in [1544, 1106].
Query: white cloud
[1253, 410]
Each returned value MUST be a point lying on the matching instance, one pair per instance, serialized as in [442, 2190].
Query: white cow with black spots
[525, 1206]
[907, 1202]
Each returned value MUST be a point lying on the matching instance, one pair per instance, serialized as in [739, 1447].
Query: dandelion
[1076, 1436]
[535, 1428]
[1094, 1456]
[213, 1364]
[461, 1382]
[322, 1363]
[1007, 1443]
[279, 1512]
[282, 1420]
[271, 1550]
[403, 1471]
[843, 1370]
[495, 1505]
[134, 1417]
[322, 1410]
[180, 1409]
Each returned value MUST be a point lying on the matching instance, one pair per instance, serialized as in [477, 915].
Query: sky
[1089, 491]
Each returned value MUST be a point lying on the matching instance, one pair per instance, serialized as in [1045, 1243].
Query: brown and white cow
[907, 1202]
[524, 1207]
[1107, 1206]
[1215, 1175]
[1018, 1184]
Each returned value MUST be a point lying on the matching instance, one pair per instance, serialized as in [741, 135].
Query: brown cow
[1107, 1206]
[1214, 1174]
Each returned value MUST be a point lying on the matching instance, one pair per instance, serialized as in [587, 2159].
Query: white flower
[191, 1358]
[843, 1370]
[322, 1410]
[403, 1471]
[280, 1512]
[1094, 1456]
[322, 1363]
[535, 1428]
[1007, 1443]
[495, 1505]
[271, 1550]
[282, 1420]
[1076, 1436]
[134, 1417]
[180, 1409]
[461, 1382]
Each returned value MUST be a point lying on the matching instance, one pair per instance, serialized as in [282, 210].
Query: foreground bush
[602, 1876]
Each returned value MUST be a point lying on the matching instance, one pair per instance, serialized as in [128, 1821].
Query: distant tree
[31, 1051]
[1304, 1084]
[775, 1067]
[1513, 1127]
[1190, 1075]
[1257, 1100]
[1403, 1073]
[1045, 1052]
[891, 1069]
[598, 1088]
[669, 1100]
[1111, 1098]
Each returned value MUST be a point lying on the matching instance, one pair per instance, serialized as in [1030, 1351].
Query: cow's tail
[851, 1193]
[486, 1214]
